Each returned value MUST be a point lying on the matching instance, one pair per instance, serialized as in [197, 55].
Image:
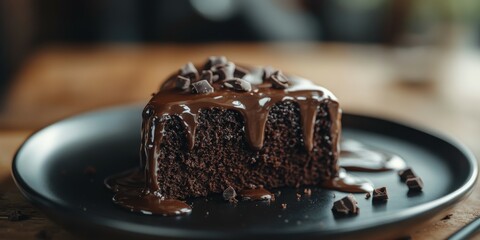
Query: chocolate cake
[221, 125]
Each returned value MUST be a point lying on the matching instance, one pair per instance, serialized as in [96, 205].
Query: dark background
[26, 25]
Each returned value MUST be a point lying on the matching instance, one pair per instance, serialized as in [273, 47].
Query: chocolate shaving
[182, 82]
[414, 184]
[267, 72]
[405, 174]
[214, 61]
[380, 194]
[240, 72]
[238, 84]
[225, 71]
[278, 80]
[189, 71]
[202, 86]
[206, 75]
[347, 205]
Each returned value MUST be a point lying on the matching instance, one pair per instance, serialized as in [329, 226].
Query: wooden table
[60, 81]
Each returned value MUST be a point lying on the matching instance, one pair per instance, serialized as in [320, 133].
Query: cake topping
[267, 71]
[238, 84]
[347, 205]
[206, 75]
[380, 194]
[202, 86]
[214, 61]
[189, 71]
[224, 71]
[251, 91]
[182, 83]
[240, 72]
[278, 80]
[220, 73]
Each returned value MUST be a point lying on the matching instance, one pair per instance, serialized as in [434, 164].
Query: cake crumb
[230, 195]
[284, 206]
[368, 195]
[298, 196]
[307, 191]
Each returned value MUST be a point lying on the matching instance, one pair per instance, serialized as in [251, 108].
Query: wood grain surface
[60, 81]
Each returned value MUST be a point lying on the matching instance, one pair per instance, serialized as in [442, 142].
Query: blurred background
[416, 62]
[58, 58]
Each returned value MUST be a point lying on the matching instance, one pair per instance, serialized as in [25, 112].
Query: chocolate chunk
[202, 86]
[380, 194]
[229, 194]
[214, 61]
[224, 71]
[405, 174]
[189, 71]
[278, 80]
[267, 72]
[414, 184]
[368, 195]
[238, 84]
[346, 205]
[240, 72]
[206, 75]
[16, 215]
[182, 82]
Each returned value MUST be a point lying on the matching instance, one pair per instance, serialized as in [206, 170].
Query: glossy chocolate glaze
[254, 105]
[345, 182]
[355, 156]
[256, 194]
[130, 193]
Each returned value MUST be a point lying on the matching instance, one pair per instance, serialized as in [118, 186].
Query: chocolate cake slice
[220, 125]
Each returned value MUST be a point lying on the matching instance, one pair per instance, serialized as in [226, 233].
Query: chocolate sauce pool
[130, 193]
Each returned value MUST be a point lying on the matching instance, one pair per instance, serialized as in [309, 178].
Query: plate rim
[433, 207]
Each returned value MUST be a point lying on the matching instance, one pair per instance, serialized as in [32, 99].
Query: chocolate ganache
[221, 84]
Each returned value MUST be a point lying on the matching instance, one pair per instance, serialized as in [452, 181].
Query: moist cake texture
[220, 125]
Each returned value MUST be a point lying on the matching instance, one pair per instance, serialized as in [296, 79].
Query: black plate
[50, 171]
